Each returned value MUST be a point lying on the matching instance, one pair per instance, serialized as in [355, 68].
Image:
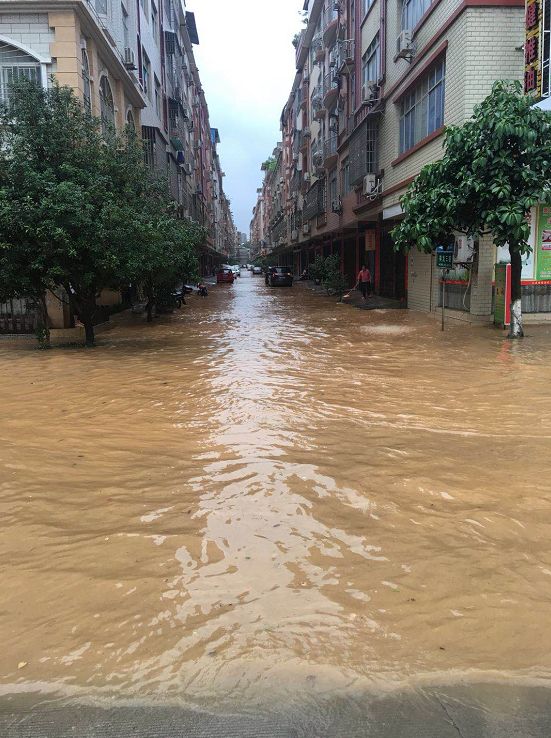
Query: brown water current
[267, 493]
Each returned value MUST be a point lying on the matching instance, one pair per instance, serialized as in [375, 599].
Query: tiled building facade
[131, 63]
[375, 86]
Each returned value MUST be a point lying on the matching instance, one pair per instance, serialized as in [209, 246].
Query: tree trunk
[89, 330]
[85, 305]
[150, 301]
[516, 329]
[43, 328]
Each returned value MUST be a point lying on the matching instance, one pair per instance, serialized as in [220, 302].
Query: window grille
[15, 66]
[149, 149]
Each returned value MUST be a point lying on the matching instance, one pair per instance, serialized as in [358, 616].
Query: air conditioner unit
[281, 181]
[370, 91]
[306, 77]
[306, 176]
[464, 250]
[336, 205]
[294, 235]
[129, 59]
[306, 229]
[317, 158]
[404, 45]
[369, 184]
[306, 132]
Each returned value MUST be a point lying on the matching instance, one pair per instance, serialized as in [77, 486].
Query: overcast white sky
[246, 64]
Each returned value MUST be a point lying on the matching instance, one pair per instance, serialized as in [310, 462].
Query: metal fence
[18, 315]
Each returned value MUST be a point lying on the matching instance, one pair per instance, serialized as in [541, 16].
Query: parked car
[279, 275]
[225, 275]
[236, 270]
[257, 270]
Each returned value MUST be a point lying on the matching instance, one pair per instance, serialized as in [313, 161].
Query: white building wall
[28, 29]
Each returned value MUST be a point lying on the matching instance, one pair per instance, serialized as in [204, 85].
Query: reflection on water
[268, 492]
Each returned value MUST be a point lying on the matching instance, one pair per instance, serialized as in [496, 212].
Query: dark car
[280, 275]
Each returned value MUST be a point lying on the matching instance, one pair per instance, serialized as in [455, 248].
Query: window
[422, 109]
[366, 4]
[371, 70]
[125, 31]
[101, 7]
[333, 186]
[149, 147]
[143, 3]
[412, 11]
[146, 74]
[154, 22]
[345, 177]
[107, 107]
[363, 152]
[86, 87]
[16, 65]
[130, 122]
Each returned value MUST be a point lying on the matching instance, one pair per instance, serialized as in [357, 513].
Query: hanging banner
[543, 243]
[532, 68]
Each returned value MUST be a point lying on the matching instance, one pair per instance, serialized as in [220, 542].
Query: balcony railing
[317, 102]
[330, 23]
[330, 90]
[330, 147]
[346, 56]
[317, 155]
[318, 47]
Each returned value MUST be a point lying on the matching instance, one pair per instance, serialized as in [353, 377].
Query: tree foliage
[333, 279]
[78, 210]
[494, 169]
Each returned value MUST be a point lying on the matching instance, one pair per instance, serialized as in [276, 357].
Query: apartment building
[376, 83]
[131, 63]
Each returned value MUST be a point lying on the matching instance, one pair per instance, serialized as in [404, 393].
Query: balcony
[317, 102]
[331, 23]
[330, 90]
[346, 57]
[318, 46]
[301, 49]
[317, 157]
[330, 154]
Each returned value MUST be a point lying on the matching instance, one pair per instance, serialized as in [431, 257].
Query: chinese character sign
[532, 69]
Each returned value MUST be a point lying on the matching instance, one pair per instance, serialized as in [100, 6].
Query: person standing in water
[364, 282]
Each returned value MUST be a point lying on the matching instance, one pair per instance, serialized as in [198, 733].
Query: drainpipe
[139, 39]
[383, 38]
[357, 54]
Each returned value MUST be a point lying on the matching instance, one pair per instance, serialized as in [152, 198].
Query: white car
[236, 270]
[257, 270]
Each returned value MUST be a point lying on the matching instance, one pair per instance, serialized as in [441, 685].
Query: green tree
[333, 278]
[316, 270]
[494, 169]
[78, 210]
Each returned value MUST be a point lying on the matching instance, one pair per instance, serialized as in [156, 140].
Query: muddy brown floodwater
[268, 494]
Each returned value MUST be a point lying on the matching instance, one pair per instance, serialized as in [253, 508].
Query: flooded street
[268, 494]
